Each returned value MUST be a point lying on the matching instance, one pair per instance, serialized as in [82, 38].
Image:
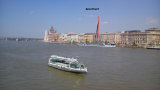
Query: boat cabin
[73, 64]
[77, 65]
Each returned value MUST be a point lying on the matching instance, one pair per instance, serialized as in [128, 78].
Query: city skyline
[29, 18]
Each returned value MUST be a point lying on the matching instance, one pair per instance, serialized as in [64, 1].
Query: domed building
[51, 36]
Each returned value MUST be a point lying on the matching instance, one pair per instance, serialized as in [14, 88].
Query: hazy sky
[30, 18]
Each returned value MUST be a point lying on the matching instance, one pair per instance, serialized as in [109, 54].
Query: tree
[134, 44]
[106, 42]
[74, 42]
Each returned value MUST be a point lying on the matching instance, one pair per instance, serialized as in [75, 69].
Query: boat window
[53, 60]
[59, 61]
[82, 66]
[74, 65]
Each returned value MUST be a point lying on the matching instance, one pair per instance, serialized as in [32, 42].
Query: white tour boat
[154, 47]
[67, 64]
[110, 45]
[97, 45]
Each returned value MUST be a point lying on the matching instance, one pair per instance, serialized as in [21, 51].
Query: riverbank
[39, 39]
[21, 39]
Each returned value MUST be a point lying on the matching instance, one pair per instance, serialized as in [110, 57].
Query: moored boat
[154, 47]
[98, 45]
[109, 45]
[67, 64]
[106, 45]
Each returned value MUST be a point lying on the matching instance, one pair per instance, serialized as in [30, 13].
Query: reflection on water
[23, 65]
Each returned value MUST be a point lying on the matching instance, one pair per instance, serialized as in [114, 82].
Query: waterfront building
[72, 38]
[107, 38]
[51, 36]
[62, 38]
[150, 37]
[81, 38]
[89, 37]
[103, 37]
[123, 39]
[153, 36]
[133, 38]
[129, 38]
[118, 38]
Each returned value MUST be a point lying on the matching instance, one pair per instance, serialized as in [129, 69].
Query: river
[23, 66]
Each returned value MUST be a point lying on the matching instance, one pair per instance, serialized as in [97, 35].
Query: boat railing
[64, 58]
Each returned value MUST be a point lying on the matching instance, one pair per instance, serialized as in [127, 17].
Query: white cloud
[152, 20]
[104, 22]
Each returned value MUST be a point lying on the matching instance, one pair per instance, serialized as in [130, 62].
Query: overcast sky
[30, 18]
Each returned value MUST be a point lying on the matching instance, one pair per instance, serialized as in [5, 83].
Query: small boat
[87, 44]
[91, 44]
[81, 44]
[98, 45]
[67, 64]
[107, 45]
[154, 47]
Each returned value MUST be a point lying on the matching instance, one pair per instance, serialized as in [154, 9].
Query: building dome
[52, 30]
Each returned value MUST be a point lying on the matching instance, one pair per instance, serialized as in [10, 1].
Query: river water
[23, 66]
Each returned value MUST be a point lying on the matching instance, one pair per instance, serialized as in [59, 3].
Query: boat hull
[154, 47]
[64, 68]
[98, 45]
[112, 46]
